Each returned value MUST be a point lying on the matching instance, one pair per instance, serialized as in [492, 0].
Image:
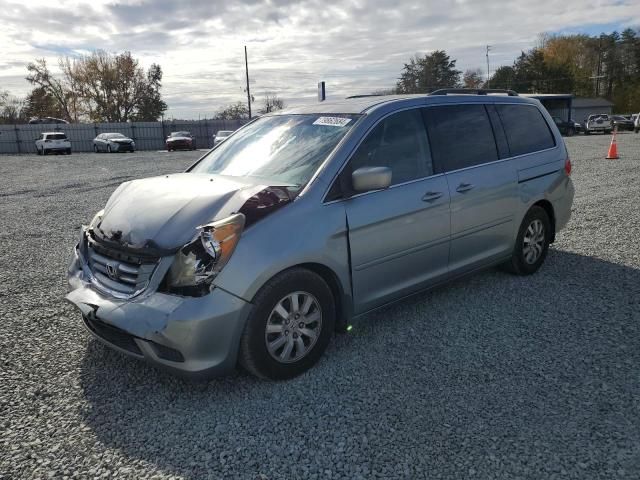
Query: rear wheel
[289, 327]
[571, 132]
[532, 243]
[95, 148]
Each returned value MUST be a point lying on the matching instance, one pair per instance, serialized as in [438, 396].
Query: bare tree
[11, 108]
[271, 103]
[60, 89]
[236, 111]
[472, 78]
[102, 86]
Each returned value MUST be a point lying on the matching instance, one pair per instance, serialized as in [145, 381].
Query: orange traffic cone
[613, 148]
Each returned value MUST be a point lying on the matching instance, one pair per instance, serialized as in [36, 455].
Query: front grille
[121, 274]
[113, 335]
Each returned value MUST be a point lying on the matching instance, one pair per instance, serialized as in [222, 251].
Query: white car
[221, 136]
[53, 142]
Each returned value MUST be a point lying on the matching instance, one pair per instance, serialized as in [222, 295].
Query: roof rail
[366, 95]
[473, 91]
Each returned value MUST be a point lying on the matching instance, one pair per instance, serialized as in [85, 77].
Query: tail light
[567, 166]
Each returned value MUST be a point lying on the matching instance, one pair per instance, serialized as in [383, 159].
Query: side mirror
[366, 179]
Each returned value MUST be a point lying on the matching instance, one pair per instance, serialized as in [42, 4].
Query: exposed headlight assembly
[200, 261]
[96, 219]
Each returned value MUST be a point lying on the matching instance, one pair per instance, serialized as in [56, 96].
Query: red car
[180, 141]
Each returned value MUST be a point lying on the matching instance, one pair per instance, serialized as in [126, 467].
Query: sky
[355, 46]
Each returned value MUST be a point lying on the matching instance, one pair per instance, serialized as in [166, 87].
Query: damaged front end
[161, 304]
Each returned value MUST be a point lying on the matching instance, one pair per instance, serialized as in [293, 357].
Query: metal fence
[147, 135]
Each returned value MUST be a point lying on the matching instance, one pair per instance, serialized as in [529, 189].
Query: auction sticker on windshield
[332, 121]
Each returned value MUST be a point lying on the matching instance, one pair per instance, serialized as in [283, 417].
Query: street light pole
[488, 77]
[246, 66]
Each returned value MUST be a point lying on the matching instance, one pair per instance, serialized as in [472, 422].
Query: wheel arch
[342, 300]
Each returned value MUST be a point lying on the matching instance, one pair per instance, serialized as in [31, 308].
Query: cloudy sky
[356, 46]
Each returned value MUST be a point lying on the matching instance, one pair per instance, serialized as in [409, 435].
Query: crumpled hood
[164, 212]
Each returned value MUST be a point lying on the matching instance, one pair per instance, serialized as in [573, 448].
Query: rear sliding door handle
[431, 196]
[464, 187]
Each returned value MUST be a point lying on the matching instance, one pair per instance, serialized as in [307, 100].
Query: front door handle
[464, 187]
[431, 196]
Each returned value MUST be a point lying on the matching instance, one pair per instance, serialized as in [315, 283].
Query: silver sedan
[113, 142]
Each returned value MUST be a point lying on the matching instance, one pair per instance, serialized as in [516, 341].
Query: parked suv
[307, 218]
[598, 123]
[53, 142]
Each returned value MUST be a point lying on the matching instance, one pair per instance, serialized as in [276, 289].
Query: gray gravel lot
[493, 376]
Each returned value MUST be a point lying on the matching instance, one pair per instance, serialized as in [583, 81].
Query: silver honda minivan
[306, 218]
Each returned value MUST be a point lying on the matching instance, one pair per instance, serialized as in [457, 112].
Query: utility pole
[488, 76]
[599, 73]
[246, 66]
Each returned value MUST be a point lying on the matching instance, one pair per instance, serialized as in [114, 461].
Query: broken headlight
[199, 262]
[96, 219]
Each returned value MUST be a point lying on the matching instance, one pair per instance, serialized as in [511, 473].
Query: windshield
[224, 133]
[115, 135]
[284, 148]
[180, 134]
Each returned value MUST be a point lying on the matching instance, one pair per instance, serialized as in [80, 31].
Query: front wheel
[571, 132]
[532, 242]
[290, 326]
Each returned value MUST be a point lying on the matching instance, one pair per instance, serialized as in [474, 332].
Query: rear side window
[460, 135]
[400, 143]
[526, 129]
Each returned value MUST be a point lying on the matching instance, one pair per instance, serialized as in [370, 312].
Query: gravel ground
[493, 376]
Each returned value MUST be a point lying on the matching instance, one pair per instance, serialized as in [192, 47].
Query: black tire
[44, 151]
[68, 151]
[518, 264]
[587, 132]
[95, 149]
[39, 150]
[254, 355]
[108, 148]
[571, 132]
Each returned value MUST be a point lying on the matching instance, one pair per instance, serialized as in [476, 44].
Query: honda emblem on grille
[112, 271]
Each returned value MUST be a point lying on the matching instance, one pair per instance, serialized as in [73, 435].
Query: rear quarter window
[526, 129]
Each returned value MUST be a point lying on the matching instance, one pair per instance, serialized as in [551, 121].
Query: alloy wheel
[293, 327]
[533, 242]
